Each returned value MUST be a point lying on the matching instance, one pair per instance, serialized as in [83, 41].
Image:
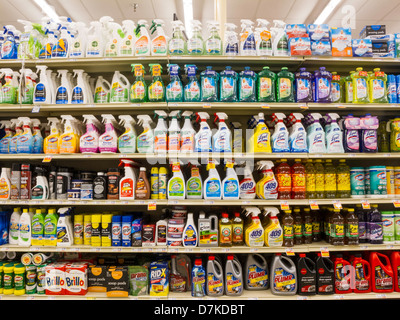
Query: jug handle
[107, 83]
[125, 79]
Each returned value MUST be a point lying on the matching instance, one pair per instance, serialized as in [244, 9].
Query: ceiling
[291, 11]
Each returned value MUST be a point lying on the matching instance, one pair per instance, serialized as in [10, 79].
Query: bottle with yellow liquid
[273, 232]
[69, 140]
[260, 141]
[254, 232]
[51, 142]
[377, 87]
[360, 86]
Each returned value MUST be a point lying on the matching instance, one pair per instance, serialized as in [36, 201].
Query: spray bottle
[138, 91]
[161, 132]
[64, 91]
[8, 92]
[174, 132]
[230, 185]
[30, 40]
[174, 90]
[62, 47]
[95, 40]
[192, 89]
[212, 185]
[69, 140]
[231, 43]
[37, 137]
[89, 142]
[127, 141]
[5, 141]
[315, 135]
[113, 45]
[142, 44]
[297, 134]
[247, 39]
[203, 137]
[78, 40]
[194, 185]
[127, 183]
[176, 188]
[127, 43]
[280, 137]
[187, 133]
[222, 139]
[80, 93]
[177, 44]
[260, 141]
[9, 49]
[333, 134]
[213, 44]
[17, 124]
[26, 86]
[195, 45]
[108, 141]
[145, 140]
[25, 139]
[51, 143]
[156, 90]
[267, 187]
[254, 232]
[280, 44]
[273, 233]
[263, 38]
[247, 185]
[159, 42]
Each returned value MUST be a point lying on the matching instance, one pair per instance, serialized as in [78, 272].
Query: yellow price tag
[325, 252]
[289, 252]
[396, 203]
[337, 205]
[314, 205]
[365, 204]
[284, 205]
[151, 206]
[47, 159]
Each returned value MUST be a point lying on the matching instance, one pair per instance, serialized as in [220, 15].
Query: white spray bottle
[161, 132]
[64, 91]
[187, 133]
[231, 41]
[247, 39]
[280, 137]
[42, 92]
[142, 44]
[333, 134]
[95, 40]
[222, 139]
[159, 44]
[127, 140]
[80, 93]
[145, 140]
[297, 134]
[263, 38]
[212, 185]
[247, 185]
[127, 43]
[204, 136]
[230, 185]
[174, 132]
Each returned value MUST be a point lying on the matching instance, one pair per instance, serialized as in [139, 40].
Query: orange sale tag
[289, 252]
[396, 203]
[284, 205]
[47, 159]
[151, 206]
[366, 205]
[314, 205]
[325, 252]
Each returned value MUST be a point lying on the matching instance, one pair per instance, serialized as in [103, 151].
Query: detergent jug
[215, 277]
[233, 276]
[119, 88]
[382, 278]
[344, 278]
[395, 259]
[256, 272]
[307, 275]
[283, 276]
[362, 274]
[325, 275]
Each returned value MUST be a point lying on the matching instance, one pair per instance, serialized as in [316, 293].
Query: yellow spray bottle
[260, 141]
[273, 233]
[51, 142]
[267, 187]
[254, 233]
[69, 140]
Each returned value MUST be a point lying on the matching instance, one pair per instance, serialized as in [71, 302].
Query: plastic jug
[119, 88]
[266, 83]
[382, 279]
[360, 86]
[215, 277]
[285, 86]
[304, 89]
[362, 271]
[228, 85]
[307, 275]
[233, 276]
[325, 275]
[208, 230]
[344, 280]
[256, 272]
[283, 276]
[395, 259]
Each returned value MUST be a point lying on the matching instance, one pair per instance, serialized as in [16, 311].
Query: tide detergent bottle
[222, 139]
[267, 187]
[273, 232]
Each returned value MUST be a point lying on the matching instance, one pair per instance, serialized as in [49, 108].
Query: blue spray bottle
[191, 91]
[174, 90]
[9, 49]
[247, 85]
[391, 88]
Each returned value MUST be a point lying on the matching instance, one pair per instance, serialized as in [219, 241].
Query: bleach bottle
[102, 91]
[233, 276]
[280, 137]
[191, 91]
[283, 276]
[119, 88]
[222, 139]
[247, 85]
[256, 272]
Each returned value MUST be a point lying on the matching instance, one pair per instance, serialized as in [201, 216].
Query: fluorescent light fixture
[188, 15]
[327, 11]
[47, 9]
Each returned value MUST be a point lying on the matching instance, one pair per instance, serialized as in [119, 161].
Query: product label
[225, 234]
[361, 88]
[256, 277]
[303, 89]
[40, 93]
[323, 88]
[378, 89]
[284, 182]
[247, 88]
[227, 87]
[156, 91]
[288, 232]
[285, 88]
[138, 91]
[176, 46]
[383, 281]
[209, 89]
[298, 182]
[361, 283]
[265, 88]
[335, 93]
[176, 187]
[233, 284]
[231, 188]
[194, 187]
[213, 188]
[190, 236]
[215, 285]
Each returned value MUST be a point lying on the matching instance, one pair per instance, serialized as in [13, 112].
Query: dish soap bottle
[266, 83]
[285, 89]
[228, 85]
[377, 87]
[230, 185]
[209, 80]
[360, 86]
[247, 85]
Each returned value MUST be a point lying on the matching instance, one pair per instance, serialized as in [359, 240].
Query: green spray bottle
[213, 42]
[177, 44]
[266, 83]
[8, 92]
[195, 45]
[284, 86]
[174, 89]
[156, 89]
[138, 91]
[25, 93]
[377, 87]
[192, 89]
[360, 86]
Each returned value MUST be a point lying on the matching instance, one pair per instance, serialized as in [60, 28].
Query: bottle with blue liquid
[391, 88]
[303, 82]
[247, 85]
[209, 80]
[191, 91]
[322, 83]
[174, 90]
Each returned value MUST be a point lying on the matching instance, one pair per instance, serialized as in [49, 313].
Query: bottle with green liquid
[209, 80]
[138, 91]
[177, 44]
[360, 86]
[266, 83]
[195, 45]
[377, 87]
[284, 86]
[174, 89]
[213, 42]
[228, 85]
[156, 89]
[348, 88]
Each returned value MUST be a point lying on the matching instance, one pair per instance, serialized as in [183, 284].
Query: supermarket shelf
[247, 295]
[313, 247]
[154, 158]
[200, 202]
